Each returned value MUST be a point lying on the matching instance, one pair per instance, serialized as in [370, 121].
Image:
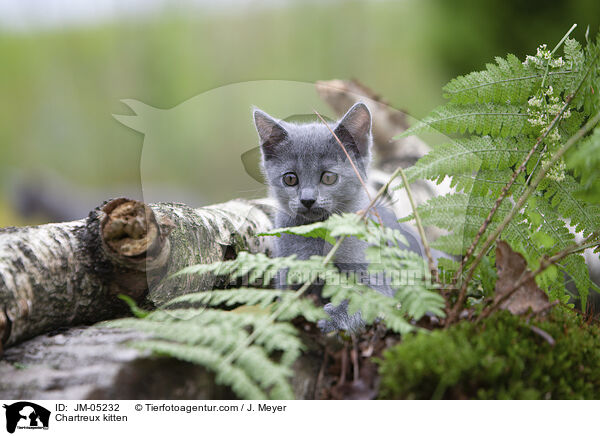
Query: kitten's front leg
[351, 259]
[340, 320]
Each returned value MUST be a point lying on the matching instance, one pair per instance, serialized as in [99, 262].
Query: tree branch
[432, 266]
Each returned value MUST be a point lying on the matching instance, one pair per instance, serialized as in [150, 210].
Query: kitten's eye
[329, 178]
[290, 179]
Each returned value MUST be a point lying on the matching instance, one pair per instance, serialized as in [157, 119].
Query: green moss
[499, 358]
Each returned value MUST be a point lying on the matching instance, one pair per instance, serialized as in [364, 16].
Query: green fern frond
[239, 381]
[463, 214]
[206, 336]
[264, 298]
[468, 155]
[588, 99]
[585, 161]
[505, 108]
[562, 195]
[371, 304]
[453, 243]
[410, 278]
[550, 223]
[494, 119]
[259, 267]
[347, 224]
[443, 212]
[230, 297]
[486, 182]
[510, 80]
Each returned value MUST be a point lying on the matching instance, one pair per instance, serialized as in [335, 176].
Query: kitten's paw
[340, 320]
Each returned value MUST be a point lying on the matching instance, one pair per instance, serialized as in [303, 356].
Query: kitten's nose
[307, 203]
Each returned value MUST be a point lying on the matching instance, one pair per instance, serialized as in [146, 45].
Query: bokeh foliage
[59, 86]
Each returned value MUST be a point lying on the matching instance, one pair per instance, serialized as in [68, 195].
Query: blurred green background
[62, 152]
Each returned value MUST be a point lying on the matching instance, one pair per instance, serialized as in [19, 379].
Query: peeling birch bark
[206, 235]
[58, 275]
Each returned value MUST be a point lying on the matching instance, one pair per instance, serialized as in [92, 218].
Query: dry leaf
[511, 265]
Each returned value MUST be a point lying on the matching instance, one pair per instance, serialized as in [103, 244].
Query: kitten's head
[306, 169]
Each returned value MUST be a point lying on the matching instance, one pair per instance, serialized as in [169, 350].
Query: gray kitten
[311, 178]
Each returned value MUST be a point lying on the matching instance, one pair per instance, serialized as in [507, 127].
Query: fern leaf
[259, 267]
[562, 195]
[315, 230]
[264, 298]
[229, 297]
[348, 224]
[585, 161]
[486, 182]
[481, 118]
[469, 155]
[206, 336]
[507, 81]
[574, 265]
[241, 383]
[444, 211]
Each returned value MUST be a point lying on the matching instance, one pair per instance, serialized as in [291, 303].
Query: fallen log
[58, 275]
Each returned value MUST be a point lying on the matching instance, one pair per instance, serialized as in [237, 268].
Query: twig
[344, 365]
[543, 334]
[354, 357]
[382, 191]
[362, 182]
[321, 374]
[573, 27]
[545, 263]
[432, 267]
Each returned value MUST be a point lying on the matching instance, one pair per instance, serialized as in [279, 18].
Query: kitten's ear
[354, 128]
[270, 131]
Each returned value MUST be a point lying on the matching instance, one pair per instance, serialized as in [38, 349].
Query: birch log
[58, 275]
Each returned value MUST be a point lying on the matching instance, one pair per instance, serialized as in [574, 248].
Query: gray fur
[308, 150]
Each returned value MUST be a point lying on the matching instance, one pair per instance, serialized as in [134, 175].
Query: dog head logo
[26, 415]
